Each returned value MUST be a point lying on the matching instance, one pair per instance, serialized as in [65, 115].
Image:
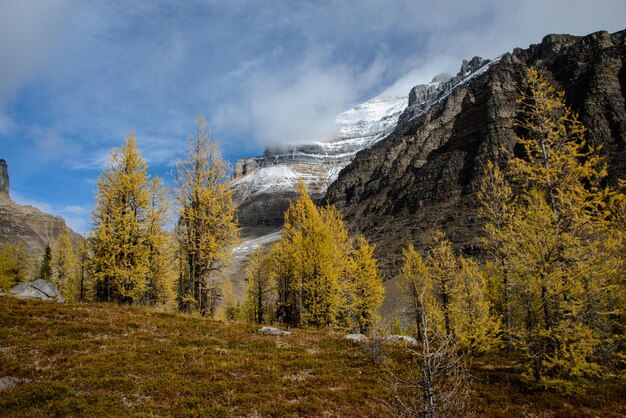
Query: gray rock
[273, 331]
[39, 289]
[360, 338]
[401, 338]
[9, 382]
[4, 177]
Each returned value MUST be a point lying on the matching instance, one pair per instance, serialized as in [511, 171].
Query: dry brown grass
[111, 360]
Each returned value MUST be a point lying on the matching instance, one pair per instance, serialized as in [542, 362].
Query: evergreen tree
[45, 269]
[207, 228]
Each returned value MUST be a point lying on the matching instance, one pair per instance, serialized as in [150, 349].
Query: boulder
[40, 289]
[401, 338]
[273, 331]
[360, 338]
[9, 382]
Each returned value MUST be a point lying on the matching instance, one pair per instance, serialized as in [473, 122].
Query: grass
[111, 360]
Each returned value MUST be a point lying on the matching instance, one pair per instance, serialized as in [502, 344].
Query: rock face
[265, 185]
[424, 175]
[4, 178]
[26, 223]
[39, 289]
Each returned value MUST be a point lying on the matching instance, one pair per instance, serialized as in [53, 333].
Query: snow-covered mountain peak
[318, 163]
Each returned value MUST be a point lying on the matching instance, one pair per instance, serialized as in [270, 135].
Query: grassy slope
[100, 359]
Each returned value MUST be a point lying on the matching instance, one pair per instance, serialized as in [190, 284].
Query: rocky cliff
[4, 178]
[424, 175]
[26, 223]
[264, 185]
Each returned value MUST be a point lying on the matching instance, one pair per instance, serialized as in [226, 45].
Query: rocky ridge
[264, 186]
[424, 174]
[26, 223]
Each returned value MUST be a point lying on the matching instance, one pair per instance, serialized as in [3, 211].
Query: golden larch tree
[121, 241]
[207, 228]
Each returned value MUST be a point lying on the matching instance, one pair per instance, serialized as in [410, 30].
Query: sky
[77, 76]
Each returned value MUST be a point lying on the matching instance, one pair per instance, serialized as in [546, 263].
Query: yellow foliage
[127, 220]
[207, 228]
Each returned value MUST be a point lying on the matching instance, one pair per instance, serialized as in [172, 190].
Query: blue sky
[77, 76]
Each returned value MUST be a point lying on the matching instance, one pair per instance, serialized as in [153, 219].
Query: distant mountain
[425, 173]
[26, 223]
[263, 186]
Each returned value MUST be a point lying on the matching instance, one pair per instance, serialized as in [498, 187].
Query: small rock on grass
[402, 338]
[273, 331]
[356, 337]
[9, 382]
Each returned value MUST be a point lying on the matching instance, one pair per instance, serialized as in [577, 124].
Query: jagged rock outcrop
[4, 178]
[424, 175]
[26, 223]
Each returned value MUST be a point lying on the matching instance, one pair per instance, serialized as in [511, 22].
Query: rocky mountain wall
[424, 175]
[26, 223]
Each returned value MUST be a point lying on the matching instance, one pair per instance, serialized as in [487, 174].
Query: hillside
[111, 360]
[26, 223]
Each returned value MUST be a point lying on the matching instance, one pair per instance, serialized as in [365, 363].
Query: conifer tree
[13, 265]
[364, 286]
[45, 269]
[308, 278]
[122, 236]
[475, 327]
[417, 285]
[444, 270]
[497, 208]
[161, 276]
[206, 219]
[64, 265]
[260, 287]
[562, 253]
[230, 304]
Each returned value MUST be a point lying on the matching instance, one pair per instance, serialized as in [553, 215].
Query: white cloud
[28, 29]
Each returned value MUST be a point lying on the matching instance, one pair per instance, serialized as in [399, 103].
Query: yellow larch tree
[260, 287]
[561, 251]
[122, 227]
[14, 265]
[444, 270]
[497, 207]
[64, 264]
[476, 328]
[363, 286]
[207, 227]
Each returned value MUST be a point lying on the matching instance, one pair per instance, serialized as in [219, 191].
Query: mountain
[26, 223]
[424, 174]
[263, 186]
